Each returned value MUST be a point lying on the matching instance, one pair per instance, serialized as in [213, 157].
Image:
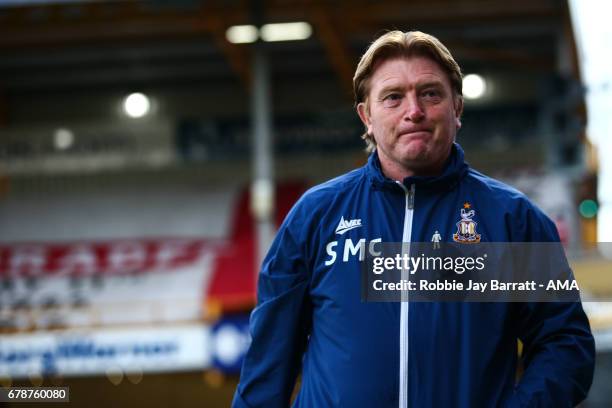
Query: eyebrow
[389, 88]
[428, 84]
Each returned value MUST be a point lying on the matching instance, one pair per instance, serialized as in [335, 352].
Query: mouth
[415, 134]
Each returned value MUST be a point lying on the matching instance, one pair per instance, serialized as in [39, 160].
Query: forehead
[407, 71]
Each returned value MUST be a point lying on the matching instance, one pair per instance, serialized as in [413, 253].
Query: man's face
[412, 114]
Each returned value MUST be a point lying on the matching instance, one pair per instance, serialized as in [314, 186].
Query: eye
[431, 94]
[391, 100]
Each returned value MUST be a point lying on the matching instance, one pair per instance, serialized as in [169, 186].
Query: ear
[458, 110]
[364, 115]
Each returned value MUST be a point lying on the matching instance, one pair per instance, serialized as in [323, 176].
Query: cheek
[388, 120]
[446, 122]
[380, 126]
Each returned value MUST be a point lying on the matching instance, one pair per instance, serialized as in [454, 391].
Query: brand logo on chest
[347, 225]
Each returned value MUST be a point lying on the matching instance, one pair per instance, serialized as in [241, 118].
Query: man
[309, 316]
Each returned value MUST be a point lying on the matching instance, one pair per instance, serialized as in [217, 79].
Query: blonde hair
[402, 44]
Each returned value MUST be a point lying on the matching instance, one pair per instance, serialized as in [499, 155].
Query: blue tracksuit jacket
[310, 318]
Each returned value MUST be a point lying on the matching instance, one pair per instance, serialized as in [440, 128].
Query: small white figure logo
[436, 238]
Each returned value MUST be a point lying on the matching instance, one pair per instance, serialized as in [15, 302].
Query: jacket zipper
[406, 239]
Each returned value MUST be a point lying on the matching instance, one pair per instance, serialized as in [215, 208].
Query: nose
[413, 112]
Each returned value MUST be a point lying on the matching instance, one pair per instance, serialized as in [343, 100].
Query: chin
[415, 147]
[414, 155]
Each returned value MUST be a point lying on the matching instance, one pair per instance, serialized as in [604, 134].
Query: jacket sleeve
[279, 325]
[559, 350]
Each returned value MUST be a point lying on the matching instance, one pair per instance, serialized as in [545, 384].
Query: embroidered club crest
[466, 227]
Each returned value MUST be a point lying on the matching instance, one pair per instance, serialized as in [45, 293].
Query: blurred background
[149, 149]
